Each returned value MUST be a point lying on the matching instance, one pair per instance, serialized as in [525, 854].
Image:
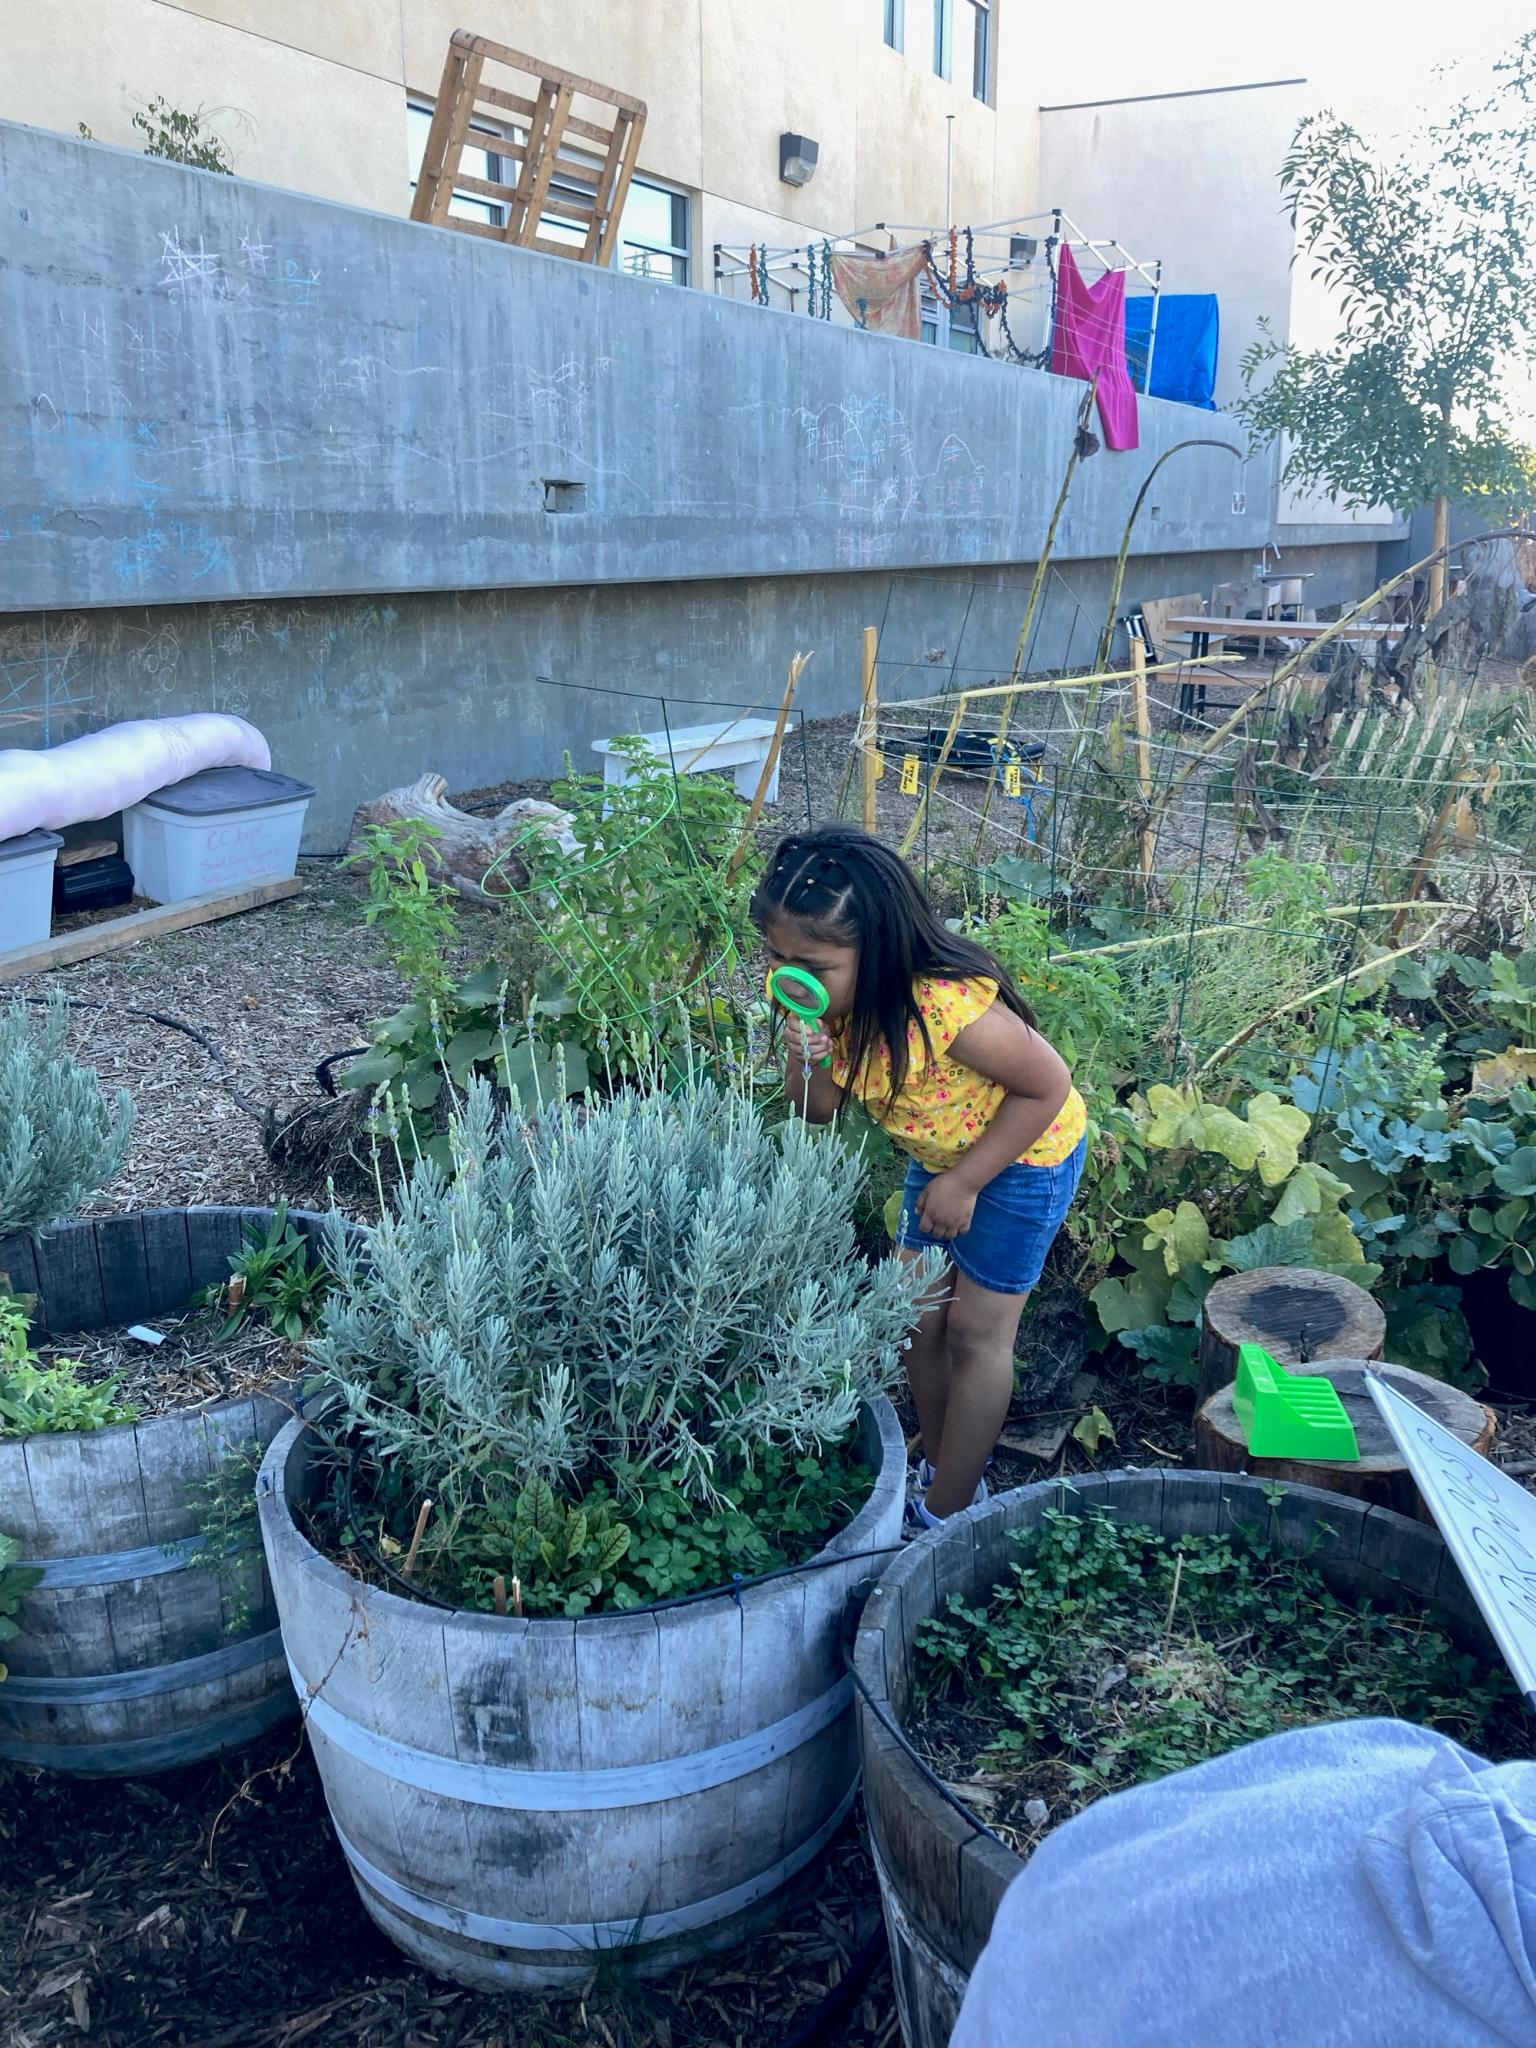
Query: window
[653, 229]
[950, 326]
[653, 232]
[896, 23]
[981, 71]
[943, 36]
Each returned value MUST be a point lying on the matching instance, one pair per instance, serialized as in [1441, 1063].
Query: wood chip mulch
[193, 1365]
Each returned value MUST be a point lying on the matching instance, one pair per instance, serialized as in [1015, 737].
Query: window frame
[895, 28]
[679, 253]
[982, 55]
[944, 39]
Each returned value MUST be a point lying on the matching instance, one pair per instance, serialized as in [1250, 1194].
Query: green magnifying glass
[799, 992]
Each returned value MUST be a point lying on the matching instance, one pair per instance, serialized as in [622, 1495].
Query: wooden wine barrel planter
[942, 1876]
[124, 1663]
[519, 1800]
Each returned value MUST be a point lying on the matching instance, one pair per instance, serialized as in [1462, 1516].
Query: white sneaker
[919, 1511]
[926, 1476]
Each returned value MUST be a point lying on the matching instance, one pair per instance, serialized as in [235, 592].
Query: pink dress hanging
[1089, 337]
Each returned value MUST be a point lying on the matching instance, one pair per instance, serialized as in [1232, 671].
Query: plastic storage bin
[26, 888]
[217, 830]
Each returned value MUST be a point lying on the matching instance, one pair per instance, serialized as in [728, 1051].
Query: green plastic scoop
[1287, 1414]
[805, 997]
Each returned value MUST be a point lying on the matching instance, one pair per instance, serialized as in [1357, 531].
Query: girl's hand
[808, 1044]
[946, 1205]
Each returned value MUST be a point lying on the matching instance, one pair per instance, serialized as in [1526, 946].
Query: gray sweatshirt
[1367, 1884]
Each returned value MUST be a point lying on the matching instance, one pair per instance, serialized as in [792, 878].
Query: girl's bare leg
[979, 1329]
[928, 1360]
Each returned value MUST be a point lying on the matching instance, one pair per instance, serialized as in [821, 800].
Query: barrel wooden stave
[104, 1650]
[496, 1878]
[942, 1880]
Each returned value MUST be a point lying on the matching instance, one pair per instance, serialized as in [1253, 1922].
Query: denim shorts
[1017, 1217]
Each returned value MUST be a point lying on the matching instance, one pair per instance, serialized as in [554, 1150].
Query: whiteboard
[1488, 1522]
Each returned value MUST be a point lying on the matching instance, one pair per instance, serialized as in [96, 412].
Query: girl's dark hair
[849, 889]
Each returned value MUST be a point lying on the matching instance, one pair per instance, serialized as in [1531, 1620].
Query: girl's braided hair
[849, 889]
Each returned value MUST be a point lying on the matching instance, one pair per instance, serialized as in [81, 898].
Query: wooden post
[1143, 754]
[1379, 1476]
[868, 717]
[797, 667]
[1294, 1313]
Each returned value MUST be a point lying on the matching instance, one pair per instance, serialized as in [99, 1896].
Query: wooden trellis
[572, 168]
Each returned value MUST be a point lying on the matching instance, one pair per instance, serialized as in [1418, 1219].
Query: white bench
[740, 743]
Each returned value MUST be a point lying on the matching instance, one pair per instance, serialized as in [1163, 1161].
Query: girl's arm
[819, 1098]
[1002, 1048]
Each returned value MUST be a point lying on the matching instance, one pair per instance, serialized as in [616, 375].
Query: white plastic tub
[26, 888]
[219, 829]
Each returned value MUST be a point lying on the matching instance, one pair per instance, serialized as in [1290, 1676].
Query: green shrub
[60, 1140]
[37, 1400]
[634, 1304]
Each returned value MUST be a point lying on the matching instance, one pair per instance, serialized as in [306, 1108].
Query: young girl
[926, 1030]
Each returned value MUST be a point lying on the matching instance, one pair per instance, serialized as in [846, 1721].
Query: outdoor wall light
[1022, 250]
[797, 159]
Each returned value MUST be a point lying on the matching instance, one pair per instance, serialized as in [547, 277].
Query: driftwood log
[1294, 1313]
[466, 848]
[1380, 1478]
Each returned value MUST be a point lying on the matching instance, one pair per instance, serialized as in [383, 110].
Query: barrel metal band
[572, 1791]
[154, 1678]
[590, 1937]
[107, 1567]
[211, 1735]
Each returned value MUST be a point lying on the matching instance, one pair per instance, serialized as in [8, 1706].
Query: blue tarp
[1184, 359]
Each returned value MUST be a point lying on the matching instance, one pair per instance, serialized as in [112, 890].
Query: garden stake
[418, 1533]
[499, 1593]
[517, 1596]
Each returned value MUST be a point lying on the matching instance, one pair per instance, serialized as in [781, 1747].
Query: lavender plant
[653, 1296]
[60, 1139]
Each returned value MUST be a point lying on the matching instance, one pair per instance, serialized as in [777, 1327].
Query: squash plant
[1237, 1195]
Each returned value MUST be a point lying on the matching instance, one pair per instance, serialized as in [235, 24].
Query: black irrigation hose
[252, 1108]
[899, 1736]
[323, 1071]
[815, 2030]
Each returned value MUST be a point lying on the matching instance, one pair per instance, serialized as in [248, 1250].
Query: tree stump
[1380, 1478]
[1294, 1313]
[466, 848]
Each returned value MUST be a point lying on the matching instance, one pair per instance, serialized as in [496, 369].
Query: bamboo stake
[1213, 931]
[1433, 841]
[420, 1531]
[1143, 754]
[868, 726]
[797, 668]
[1313, 995]
[499, 1593]
[1117, 581]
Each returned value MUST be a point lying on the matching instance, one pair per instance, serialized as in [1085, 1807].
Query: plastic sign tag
[1013, 780]
[879, 764]
[911, 769]
[1488, 1522]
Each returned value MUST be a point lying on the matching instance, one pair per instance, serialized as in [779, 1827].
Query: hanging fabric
[1184, 353]
[1090, 335]
[883, 293]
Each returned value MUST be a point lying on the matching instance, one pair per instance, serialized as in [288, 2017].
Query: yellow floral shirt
[944, 1107]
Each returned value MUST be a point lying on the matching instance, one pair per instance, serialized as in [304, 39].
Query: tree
[1430, 254]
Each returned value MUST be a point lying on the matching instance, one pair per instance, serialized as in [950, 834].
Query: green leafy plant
[1077, 1000]
[38, 1400]
[647, 919]
[60, 1140]
[1237, 1195]
[617, 1301]
[271, 1275]
[182, 137]
[453, 1025]
[1111, 1655]
[229, 1536]
[16, 1582]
